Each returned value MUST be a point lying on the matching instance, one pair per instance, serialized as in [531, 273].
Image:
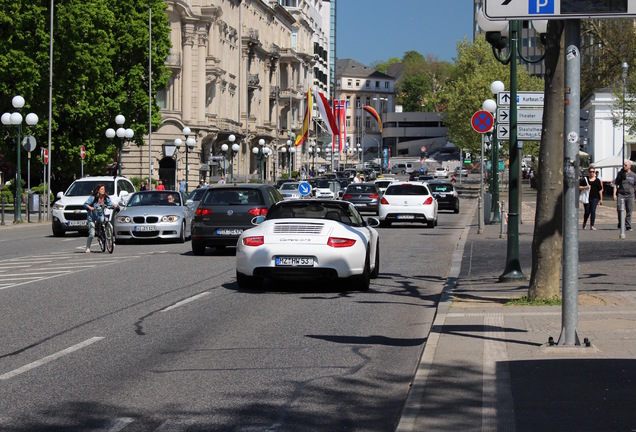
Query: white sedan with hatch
[410, 202]
[309, 240]
[440, 172]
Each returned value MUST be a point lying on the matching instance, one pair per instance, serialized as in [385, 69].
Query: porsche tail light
[428, 201]
[253, 241]
[374, 196]
[258, 211]
[347, 196]
[203, 212]
[338, 242]
[383, 201]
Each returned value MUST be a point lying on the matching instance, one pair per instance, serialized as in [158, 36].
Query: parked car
[445, 194]
[402, 168]
[364, 196]
[408, 202]
[327, 188]
[309, 240]
[68, 211]
[154, 214]
[369, 174]
[225, 211]
[289, 190]
[440, 172]
[461, 171]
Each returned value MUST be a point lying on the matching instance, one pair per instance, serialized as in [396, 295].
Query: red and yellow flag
[374, 114]
[306, 121]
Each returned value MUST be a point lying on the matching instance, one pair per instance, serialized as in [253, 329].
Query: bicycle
[104, 234]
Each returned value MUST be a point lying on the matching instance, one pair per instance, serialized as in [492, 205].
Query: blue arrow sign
[304, 188]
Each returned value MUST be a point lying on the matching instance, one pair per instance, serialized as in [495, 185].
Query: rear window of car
[441, 187]
[407, 189]
[289, 186]
[218, 196]
[360, 188]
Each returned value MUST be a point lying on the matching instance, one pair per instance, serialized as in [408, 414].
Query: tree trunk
[547, 242]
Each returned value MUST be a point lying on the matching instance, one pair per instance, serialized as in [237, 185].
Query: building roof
[354, 69]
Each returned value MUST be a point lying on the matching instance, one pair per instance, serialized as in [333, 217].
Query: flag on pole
[374, 114]
[326, 113]
[340, 111]
[306, 121]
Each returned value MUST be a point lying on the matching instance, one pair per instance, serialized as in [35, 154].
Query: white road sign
[524, 99]
[527, 132]
[558, 9]
[524, 115]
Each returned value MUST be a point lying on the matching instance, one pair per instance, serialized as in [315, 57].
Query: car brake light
[258, 211]
[338, 242]
[383, 201]
[253, 241]
[374, 196]
[203, 212]
[347, 196]
[428, 201]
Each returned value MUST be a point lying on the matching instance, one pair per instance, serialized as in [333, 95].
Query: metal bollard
[503, 218]
[2, 211]
[621, 213]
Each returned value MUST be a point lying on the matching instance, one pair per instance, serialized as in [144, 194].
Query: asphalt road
[153, 338]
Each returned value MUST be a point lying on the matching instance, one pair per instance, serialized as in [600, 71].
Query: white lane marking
[497, 411]
[118, 424]
[182, 302]
[49, 358]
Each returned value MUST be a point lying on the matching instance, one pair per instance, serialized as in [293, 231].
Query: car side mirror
[372, 222]
[258, 220]
[60, 195]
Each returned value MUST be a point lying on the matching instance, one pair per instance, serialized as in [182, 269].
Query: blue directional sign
[304, 188]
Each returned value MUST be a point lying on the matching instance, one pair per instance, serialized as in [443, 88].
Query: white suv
[68, 211]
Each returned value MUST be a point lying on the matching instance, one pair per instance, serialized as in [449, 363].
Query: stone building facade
[240, 69]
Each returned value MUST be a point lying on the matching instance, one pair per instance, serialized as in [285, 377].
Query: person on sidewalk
[624, 189]
[160, 186]
[594, 187]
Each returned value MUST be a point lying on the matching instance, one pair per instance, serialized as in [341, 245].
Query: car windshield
[441, 187]
[407, 189]
[154, 198]
[221, 196]
[84, 188]
[289, 186]
[323, 184]
[315, 210]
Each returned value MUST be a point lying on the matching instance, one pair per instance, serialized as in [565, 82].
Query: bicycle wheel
[110, 239]
[100, 237]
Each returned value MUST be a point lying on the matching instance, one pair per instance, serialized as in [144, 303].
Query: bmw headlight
[169, 218]
[58, 206]
[123, 219]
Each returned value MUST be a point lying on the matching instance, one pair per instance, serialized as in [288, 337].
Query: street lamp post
[491, 106]
[122, 134]
[512, 271]
[235, 150]
[190, 143]
[625, 68]
[15, 119]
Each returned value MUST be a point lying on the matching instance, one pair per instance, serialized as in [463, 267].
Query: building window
[377, 84]
[294, 39]
[162, 98]
[368, 101]
[386, 85]
[368, 84]
[348, 121]
[357, 83]
[349, 82]
[357, 101]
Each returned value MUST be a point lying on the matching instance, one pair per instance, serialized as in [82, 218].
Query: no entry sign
[482, 121]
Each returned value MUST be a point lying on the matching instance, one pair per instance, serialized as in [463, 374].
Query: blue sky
[376, 30]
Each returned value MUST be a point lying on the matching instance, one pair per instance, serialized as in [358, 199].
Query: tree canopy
[100, 70]
[475, 68]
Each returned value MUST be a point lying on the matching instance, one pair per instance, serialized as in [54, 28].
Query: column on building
[186, 72]
[202, 88]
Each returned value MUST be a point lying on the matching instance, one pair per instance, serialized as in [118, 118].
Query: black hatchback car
[445, 194]
[225, 211]
[364, 196]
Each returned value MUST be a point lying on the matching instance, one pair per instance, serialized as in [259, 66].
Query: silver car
[290, 191]
[155, 215]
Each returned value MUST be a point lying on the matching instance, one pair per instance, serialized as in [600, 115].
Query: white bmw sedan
[408, 202]
[309, 240]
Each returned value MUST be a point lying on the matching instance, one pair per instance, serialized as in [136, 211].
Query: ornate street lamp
[625, 68]
[491, 106]
[122, 134]
[235, 150]
[190, 144]
[15, 119]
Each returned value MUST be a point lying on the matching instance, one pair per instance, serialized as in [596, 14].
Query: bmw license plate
[295, 261]
[229, 231]
[145, 228]
[78, 223]
[406, 217]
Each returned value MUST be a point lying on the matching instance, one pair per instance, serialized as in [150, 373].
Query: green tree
[420, 84]
[100, 69]
[475, 68]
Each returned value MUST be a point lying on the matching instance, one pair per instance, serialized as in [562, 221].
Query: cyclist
[94, 206]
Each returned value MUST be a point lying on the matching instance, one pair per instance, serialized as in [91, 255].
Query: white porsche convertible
[310, 240]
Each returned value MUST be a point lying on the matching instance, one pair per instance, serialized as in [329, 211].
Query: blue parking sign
[543, 7]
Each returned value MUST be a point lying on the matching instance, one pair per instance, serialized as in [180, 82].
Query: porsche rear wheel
[364, 280]
[244, 281]
[376, 270]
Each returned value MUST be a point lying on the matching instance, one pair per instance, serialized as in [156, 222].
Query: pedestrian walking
[624, 190]
[143, 186]
[160, 186]
[593, 188]
[221, 180]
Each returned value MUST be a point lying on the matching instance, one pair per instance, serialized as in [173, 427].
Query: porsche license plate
[295, 261]
[406, 217]
[229, 231]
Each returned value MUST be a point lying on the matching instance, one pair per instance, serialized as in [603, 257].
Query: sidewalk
[487, 366]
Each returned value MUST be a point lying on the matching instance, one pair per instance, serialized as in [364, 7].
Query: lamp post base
[512, 275]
